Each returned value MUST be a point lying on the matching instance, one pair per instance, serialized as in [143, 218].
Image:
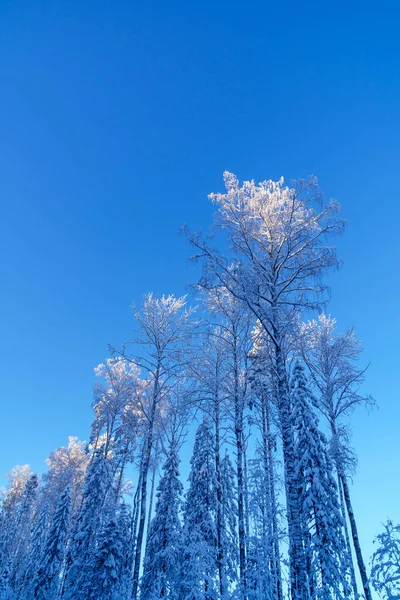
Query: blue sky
[118, 118]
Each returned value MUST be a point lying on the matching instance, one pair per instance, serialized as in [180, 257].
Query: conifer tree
[229, 514]
[6, 591]
[161, 565]
[322, 523]
[48, 577]
[104, 572]
[385, 562]
[199, 557]
[88, 525]
[36, 548]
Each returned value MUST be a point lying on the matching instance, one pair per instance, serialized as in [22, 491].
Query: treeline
[265, 390]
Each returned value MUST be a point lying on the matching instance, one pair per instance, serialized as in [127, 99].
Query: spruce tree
[321, 520]
[199, 557]
[6, 590]
[161, 565]
[105, 570]
[47, 580]
[229, 514]
[88, 525]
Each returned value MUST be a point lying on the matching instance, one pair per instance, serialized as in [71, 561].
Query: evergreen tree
[385, 572]
[229, 512]
[105, 570]
[82, 549]
[22, 532]
[125, 524]
[322, 523]
[6, 591]
[199, 558]
[36, 548]
[161, 565]
[47, 580]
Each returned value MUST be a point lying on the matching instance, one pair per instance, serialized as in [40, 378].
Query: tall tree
[277, 255]
[265, 461]
[161, 565]
[234, 323]
[164, 328]
[118, 414]
[332, 361]
[88, 527]
[321, 519]
[48, 577]
[106, 568]
[200, 544]
[210, 369]
[229, 518]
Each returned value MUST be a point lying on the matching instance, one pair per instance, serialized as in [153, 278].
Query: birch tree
[332, 360]
[164, 327]
[278, 252]
[235, 324]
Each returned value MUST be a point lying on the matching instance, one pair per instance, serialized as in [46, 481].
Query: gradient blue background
[116, 120]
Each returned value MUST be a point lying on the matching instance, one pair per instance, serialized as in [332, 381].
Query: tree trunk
[356, 541]
[220, 551]
[153, 482]
[297, 561]
[240, 478]
[143, 494]
[271, 497]
[347, 537]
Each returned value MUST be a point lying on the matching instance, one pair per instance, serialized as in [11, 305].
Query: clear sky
[116, 120]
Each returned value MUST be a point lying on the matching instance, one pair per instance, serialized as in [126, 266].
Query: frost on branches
[237, 393]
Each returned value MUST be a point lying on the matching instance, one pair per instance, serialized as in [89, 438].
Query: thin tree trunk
[347, 537]
[298, 569]
[270, 479]
[143, 495]
[240, 481]
[246, 496]
[220, 552]
[356, 541]
[153, 481]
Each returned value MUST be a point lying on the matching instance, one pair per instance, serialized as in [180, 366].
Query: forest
[252, 378]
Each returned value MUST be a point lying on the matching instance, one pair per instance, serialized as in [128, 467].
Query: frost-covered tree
[21, 537]
[264, 468]
[209, 367]
[106, 567]
[200, 545]
[87, 528]
[321, 519]
[264, 564]
[47, 581]
[36, 548]
[229, 517]
[385, 562]
[6, 590]
[117, 413]
[332, 360]
[164, 326]
[234, 330]
[278, 251]
[66, 467]
[160, 577]
[125, 526]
